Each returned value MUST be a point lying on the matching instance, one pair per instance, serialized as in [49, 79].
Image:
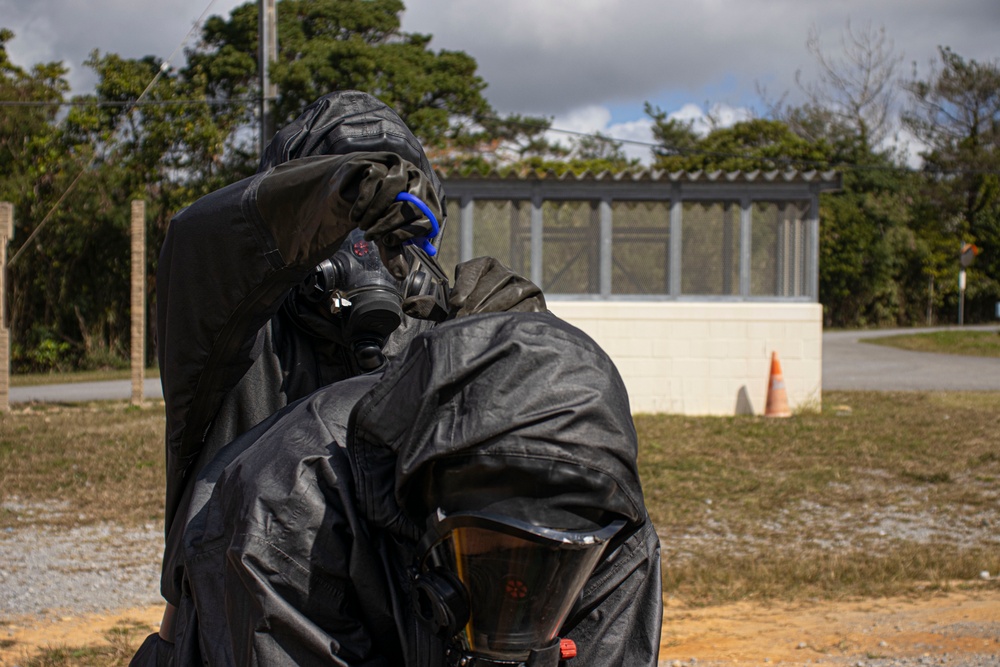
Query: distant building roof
[655, 175]
[636, 184]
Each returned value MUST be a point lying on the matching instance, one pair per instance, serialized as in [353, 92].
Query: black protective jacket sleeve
[619, 617]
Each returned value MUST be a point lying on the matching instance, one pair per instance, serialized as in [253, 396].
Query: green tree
[35, 168]
[955, 112]
[328, 45]
[513, 142]
[758, 144]
[874, 261]
[69, 285]
[598, 152]
[25, 129]
[676, 138]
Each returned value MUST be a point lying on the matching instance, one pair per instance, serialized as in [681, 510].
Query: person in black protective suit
[294, 539]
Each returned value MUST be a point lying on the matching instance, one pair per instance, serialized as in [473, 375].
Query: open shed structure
[689, 280]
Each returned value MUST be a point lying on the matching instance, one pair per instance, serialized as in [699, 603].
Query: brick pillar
[6, 233]
[138, 300]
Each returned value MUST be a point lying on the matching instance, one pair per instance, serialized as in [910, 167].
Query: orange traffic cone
[777, 398]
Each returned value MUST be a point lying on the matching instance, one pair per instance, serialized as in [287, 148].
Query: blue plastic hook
[424, 241]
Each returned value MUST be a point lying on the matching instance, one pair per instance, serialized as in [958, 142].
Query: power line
[696, 152]
[664, 150]
[233, 101]
[164, 66]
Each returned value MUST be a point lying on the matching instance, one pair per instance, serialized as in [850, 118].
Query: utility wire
[130, 103]
[164, 67]
[667, 151]
[660, 148]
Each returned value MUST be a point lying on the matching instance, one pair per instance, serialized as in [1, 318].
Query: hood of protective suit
[517, 414]
[347, 121]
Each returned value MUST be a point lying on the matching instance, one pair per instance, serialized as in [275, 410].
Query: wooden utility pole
[267, 37]
[6, 234]
[138, 300]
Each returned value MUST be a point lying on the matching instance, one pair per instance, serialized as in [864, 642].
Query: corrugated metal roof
[759, 176]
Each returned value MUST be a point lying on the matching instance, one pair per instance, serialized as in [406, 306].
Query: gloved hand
[310, 205]
[484, 285]
[389, 222]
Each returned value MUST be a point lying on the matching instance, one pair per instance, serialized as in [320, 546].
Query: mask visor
[521, 580]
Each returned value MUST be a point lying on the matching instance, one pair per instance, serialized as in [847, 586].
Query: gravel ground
[89, 569]
[914, 519]
[51, 572]
[924, 661]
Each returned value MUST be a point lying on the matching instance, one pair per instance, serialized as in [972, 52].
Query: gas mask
[353, 300]
[498, 589]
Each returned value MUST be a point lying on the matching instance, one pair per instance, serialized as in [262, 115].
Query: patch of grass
[82, 464]
[895, 494]
[825, 504]
[970, 343]
[710, 576]
[35, 379]
[120, 644]
[932, 478]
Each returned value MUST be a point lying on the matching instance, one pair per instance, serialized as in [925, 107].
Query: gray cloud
[554, 56]
[68, 30]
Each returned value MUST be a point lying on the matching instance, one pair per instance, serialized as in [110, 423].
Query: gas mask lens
[503, 586]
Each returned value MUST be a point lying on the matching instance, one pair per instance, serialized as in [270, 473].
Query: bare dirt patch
[27, 636]
[836, 633]
[956, 625]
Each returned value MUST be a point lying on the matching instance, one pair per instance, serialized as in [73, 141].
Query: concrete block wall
[698, 358]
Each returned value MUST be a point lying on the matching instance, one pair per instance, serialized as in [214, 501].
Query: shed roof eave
[821, 180]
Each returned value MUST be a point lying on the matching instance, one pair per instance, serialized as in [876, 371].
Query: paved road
[848, 364]
[84, 391]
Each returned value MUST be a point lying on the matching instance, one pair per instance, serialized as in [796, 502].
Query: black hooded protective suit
[230, 355]
[303, 531]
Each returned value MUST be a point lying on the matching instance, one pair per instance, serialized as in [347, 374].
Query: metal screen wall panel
[640, 247]
[570, 247]
[652, 235]
[503, 231]
[447, 244]
[710, 251]
[778, 247]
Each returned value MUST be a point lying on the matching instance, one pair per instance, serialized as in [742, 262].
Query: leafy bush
[49, 355]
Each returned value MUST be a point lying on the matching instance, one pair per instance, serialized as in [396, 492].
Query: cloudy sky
[589, 64]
